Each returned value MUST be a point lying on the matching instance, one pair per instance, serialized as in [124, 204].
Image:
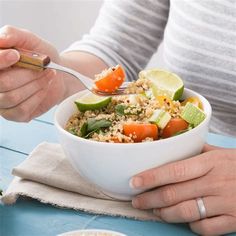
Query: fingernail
[12, 56]
[135, 203]
[156, 212]
[136, 182]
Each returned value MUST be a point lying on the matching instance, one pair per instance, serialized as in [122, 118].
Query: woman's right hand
[24, 93]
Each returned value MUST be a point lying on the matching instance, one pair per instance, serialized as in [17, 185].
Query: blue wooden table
[31, 218]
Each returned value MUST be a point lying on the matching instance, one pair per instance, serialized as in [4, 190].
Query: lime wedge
[164, 83]
[90, 101]
[193, 114]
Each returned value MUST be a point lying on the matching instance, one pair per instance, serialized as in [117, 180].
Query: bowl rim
[205, 102]
[116, 233]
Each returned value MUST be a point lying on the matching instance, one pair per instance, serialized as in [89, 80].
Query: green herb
[120, 109]
[73, 131]
[83, 130]
[93, 125]
[97, 124]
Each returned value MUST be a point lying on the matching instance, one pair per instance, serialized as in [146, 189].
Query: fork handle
[32, 60]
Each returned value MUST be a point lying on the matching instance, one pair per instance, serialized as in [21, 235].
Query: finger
[13, 78]
[188, 211]
[23, 112]
[174, 172]
[219, 225]
[15, 37]
[55, 98]
[45, 104]
[171, 194]
[208, 147]
[41, 107]
[14, 97]
[8, 57]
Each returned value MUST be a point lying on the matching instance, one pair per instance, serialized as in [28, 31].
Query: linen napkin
[47, 175]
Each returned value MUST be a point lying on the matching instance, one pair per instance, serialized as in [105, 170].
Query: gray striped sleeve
[126, 33]
[200, 46]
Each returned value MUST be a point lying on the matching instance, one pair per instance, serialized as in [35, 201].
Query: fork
[40, 62]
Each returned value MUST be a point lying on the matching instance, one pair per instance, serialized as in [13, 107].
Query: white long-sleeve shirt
[199, 38]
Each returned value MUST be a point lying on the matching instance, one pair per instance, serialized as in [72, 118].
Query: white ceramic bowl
[111, 165]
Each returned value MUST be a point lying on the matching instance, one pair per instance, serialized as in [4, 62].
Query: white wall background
[61, 22]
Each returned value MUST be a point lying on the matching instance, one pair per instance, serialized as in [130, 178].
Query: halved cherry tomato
[111, 81]
[165, 101]
[195, 100]
[173, 126]
[139, 132]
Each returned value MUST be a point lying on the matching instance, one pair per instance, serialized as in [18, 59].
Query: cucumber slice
[160, 118]
[193, 114]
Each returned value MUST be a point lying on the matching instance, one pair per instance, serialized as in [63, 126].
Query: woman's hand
[24, 93]
[176, 186]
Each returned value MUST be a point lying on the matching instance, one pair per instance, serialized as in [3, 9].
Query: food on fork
[154, 112]
[109, 80]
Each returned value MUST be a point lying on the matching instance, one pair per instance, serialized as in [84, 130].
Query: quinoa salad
[145, 114]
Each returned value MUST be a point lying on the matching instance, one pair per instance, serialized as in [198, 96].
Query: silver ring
[201, 208]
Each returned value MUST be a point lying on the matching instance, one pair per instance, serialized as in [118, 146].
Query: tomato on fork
[110, 80]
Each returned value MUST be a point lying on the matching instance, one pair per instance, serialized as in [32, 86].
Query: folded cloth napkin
[47, 175]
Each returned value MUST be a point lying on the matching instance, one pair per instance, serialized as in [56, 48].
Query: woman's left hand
[176, 186]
